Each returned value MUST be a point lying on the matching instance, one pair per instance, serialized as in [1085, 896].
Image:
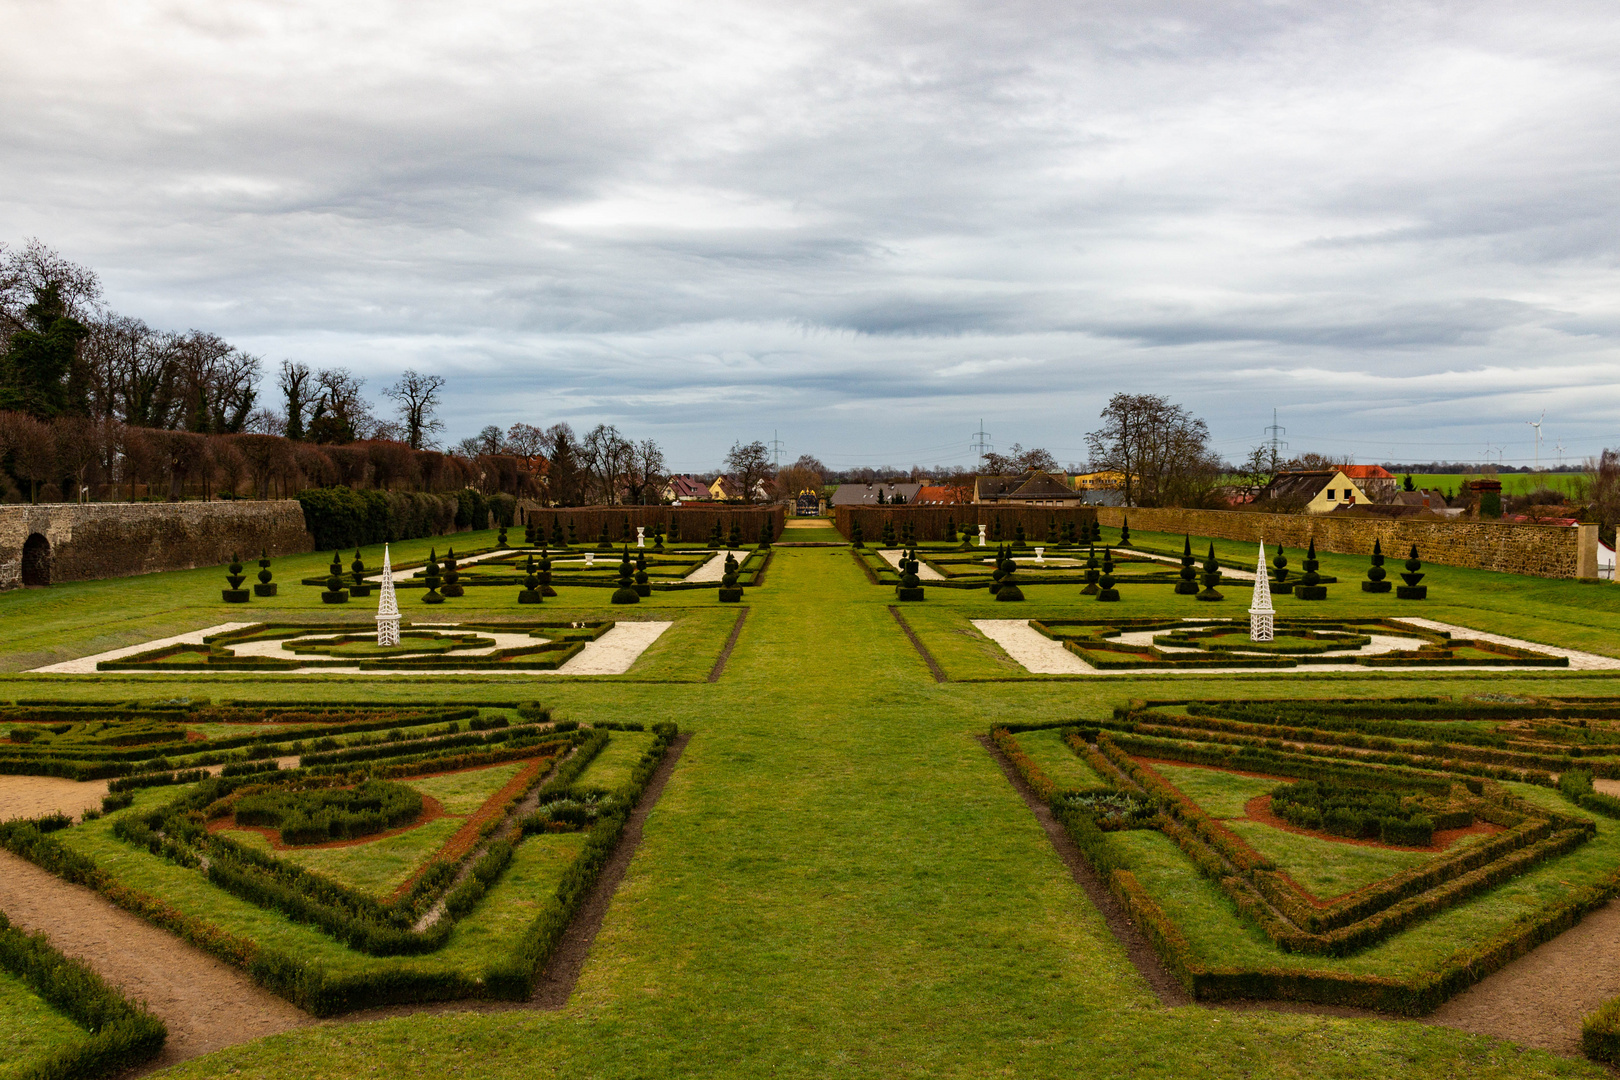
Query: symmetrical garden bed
[1378, 854]
[669, 569]
[407, 855]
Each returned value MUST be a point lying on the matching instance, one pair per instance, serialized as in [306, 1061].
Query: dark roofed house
[867, 494]
[686, 488]
[940, 495]
[1035, 488]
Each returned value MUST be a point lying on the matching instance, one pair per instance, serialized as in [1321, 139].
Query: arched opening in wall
[36, 561]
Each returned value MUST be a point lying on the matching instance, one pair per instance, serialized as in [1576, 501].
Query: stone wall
[101, 540]
[1556, 551]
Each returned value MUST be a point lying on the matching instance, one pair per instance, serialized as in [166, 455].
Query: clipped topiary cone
[1279, 567]
[730, 591]
[1092, 588]
[736, 534]
[530, 593]
[855, 538]
[335, 592]
[1309, 587]
[643, 586]
[999, 571]
[1212, 576]
[573, 537]
[1018, 537]
[452, 576]
[545, 574]
[1124, 531]
[430, 577]
[265, 587]
[500, 541]
[950, 530]
[626, 592]
[910, 587]
[1106, 592]
[765, 533]
[1412, 590]
[236, 594]
[357, 570]
[528, 533]
[1375, 582]
[602, 542]
[1009, 585]
[1188, 585]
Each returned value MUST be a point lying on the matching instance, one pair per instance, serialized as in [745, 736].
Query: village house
[1035, 488]
[868, 494]
[1322, 490]
[685, 488]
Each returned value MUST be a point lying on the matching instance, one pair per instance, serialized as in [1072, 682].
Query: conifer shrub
[602, 541]
[1188, 585]
[500, 541]
[357, 571]
[558, 540]
[730, 591]
[643, 586]
[430, 577]
[236, 594]
[1000, 569]
[573, 537]
[452, 576]
[714, 534]
[1092, 573]
[950, 530]
[910, 587]
[1360, 813]
[736, 533]
[530, 593]
[1124, 531]
[324, 814]
[1309, 587]
[335, 592]
[626, 592]
[545, 575]
[265, 587]
[855, 538]
[765, 533]
[888, 534]
[1375, 582]
[1412, 590]
[1018, 537]
[1279, 567]
[1212, 576]
[1009, 585]
[1106, 591]
[528, 533]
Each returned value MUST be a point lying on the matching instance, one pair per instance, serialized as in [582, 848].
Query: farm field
[838, 878]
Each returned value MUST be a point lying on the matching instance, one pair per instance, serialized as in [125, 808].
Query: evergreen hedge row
[122, 1035]
[340, 517]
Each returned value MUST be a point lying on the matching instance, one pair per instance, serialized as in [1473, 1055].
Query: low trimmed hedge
[122, 1035]
[1600, 1033]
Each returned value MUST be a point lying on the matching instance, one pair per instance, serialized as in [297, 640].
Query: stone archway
[36, 561]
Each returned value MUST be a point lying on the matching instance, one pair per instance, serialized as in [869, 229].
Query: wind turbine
[1537, 425]
[1560, 449]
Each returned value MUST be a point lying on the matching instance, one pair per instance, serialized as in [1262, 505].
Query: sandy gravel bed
[87, 665]
[924, 571]
[35, 796]
[1038, 653]
[206, 1004]
[715, 568]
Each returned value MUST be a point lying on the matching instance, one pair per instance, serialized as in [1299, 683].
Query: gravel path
[1037, 652]
[924, 571]
[35, 796]
[86, 665]
[1578, 661]
[715, 568]
[206, 1004]
[1539, 999]
[615, 651]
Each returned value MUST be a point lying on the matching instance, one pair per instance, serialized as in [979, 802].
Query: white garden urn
[1040, 554]
[641, 536]
[984, 532]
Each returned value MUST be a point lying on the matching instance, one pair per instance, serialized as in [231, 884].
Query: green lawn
[838, 880]
[376, 866]
[1048, 750]
[32, 1030]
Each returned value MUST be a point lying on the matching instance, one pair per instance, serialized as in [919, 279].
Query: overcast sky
[862, 227]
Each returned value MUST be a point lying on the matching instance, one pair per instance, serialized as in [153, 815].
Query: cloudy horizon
[864, 228]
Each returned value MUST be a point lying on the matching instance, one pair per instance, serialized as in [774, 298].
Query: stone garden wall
[80, 542]
[1557, 551]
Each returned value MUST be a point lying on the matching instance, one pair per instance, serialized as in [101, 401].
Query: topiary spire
[234, 576]
[1412, 590]
[430, 577]
[1188, 585]
[265, 587]
[1212, 576]
[1106, 592]
[1375, 582]
[335, 592]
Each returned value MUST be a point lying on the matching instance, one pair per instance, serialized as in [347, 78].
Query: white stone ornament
[590, 559]
[1040, 554]
[641, 536]
[1261, 614]
[387, 607]
[984, 531]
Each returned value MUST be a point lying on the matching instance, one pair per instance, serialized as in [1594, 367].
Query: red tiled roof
[936, 493]
[1368, 472]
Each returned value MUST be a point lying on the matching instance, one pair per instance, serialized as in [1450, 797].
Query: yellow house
[1325, 489]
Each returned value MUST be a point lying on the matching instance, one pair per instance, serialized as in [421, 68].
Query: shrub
[314, 817]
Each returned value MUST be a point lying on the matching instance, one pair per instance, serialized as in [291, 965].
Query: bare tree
[417, 396]
[606, 455]
[341, 414]
[646, 473]
[1018, 461]
[296, 382]
[749, 466]
[30, 270]
[1159, 448]
[527, 442]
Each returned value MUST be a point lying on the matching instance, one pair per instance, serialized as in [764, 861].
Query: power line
[776, 450]
[1275, 440]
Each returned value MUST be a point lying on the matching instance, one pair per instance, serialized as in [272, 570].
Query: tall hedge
[342, 517]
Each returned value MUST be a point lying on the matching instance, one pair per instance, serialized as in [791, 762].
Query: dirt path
[36, 796]
[1539, 999]
[206, 1004]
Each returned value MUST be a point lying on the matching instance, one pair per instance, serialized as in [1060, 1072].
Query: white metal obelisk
[1261, 613]
[387, 607]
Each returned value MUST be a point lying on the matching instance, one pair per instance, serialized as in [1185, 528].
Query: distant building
[1035, 488]
[1379, 484]
[1323, 490]
[867, 494]
[940, 495]
[686, 488]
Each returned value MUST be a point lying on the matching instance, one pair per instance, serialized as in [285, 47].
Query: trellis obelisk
[1261, 613]
[387, 607]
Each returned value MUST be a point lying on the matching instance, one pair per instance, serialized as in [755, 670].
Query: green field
[1572, 484]
[838, 879]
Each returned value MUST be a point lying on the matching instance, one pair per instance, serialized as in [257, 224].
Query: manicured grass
[464, 792]
[375, 866]
[611, 768]
[838, 880]
[1048, 750]
[1219, 794]
[31, 1030]
[1324, 867]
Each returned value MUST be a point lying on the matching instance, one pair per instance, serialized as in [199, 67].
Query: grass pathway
[839, 881]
